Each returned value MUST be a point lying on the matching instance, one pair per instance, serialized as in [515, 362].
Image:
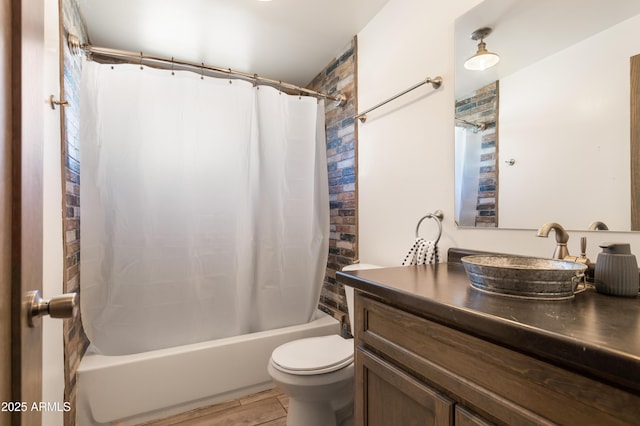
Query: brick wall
[340, 77]
[75, 340]
[482, 107]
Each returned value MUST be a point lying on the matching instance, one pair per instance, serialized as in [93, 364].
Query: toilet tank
[349, 290]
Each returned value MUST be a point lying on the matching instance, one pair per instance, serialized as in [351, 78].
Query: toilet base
[318, 400]
[303, 413]
[344, 416]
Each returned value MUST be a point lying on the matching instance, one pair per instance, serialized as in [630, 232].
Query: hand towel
[422, 252]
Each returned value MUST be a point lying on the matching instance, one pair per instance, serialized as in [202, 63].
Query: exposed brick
[340, 76]
[482, 107]
[75, 339]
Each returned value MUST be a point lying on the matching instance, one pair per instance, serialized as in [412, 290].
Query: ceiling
[287, 40]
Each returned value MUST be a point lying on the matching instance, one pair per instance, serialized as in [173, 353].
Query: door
[5, 207]
[386, 395]
[635, 142]
[53, 384]
[26, 102]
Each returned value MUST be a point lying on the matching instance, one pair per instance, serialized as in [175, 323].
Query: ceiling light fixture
[483, 58]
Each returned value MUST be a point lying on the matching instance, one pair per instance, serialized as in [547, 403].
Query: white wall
[406, 148]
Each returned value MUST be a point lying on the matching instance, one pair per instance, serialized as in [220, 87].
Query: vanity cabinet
[390, 396]
[413, 370]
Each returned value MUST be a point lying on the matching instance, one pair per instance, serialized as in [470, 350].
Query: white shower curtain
[467, 175]
[204, 208]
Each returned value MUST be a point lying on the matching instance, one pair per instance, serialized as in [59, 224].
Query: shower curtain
[467, 175]
[204, 208]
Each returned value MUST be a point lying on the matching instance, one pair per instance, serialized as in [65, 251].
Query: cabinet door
[465, 417]
[386, 396]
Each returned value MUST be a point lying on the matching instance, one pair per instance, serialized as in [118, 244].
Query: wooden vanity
[432, 350]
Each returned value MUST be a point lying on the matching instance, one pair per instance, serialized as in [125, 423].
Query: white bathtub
[129, 389]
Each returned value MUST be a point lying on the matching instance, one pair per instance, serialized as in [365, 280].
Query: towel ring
[437, 216]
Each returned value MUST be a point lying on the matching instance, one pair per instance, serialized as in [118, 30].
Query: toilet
[317, 374]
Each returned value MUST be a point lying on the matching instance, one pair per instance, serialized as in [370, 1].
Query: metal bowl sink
[524, 277]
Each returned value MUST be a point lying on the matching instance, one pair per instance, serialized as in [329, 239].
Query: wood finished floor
[268, 408]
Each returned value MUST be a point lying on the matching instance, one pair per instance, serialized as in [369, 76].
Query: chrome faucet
[562, 237]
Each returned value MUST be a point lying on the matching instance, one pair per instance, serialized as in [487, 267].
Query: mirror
[562, 116]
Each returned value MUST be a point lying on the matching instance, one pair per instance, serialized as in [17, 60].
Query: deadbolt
[63, 306]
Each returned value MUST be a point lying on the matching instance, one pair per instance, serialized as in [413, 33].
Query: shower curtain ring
[172, 67]
[255, 80]
[141, 67]
[230, 82]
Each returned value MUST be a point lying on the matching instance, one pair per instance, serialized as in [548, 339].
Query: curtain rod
[138, 58]
[435, 82]
[470, 124]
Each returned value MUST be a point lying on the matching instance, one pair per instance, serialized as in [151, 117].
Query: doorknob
[63, 306]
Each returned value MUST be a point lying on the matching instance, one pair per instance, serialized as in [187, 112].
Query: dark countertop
[592, 334]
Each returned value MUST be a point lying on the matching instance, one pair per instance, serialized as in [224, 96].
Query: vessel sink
[523, 276]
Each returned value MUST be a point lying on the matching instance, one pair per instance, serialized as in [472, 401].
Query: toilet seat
[314, 355]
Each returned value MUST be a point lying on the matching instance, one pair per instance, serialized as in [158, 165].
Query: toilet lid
[313, 355]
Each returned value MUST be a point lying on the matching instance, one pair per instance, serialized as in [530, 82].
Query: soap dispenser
[616, 270]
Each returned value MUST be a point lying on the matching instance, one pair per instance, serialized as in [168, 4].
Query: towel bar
[438, 215]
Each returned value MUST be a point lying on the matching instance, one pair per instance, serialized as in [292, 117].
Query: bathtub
[130, 389]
